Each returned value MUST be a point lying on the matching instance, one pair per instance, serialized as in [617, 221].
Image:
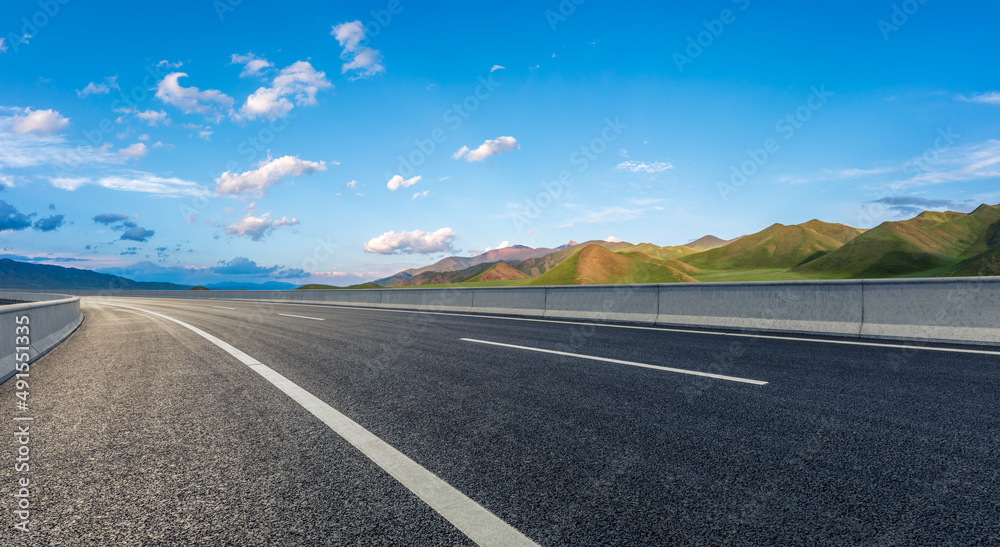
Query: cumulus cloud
[503, 245]
[41, 122]
[110, 218]
[151, 117]
[137, 233]
[268, 173]
[397, 182]
[643, 167]
[167, 64]
[257, 228]
[415, 242]
[299, 79]
[252, 64]
[363, 59]
[489, 148]
[49, 223]
[613, 239]
[111, 82]
[135, 151]
[190, 100]
[11, 219]
[244, 266]
[421, 195]
[352, 184]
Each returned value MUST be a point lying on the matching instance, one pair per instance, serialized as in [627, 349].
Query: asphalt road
[145, 432]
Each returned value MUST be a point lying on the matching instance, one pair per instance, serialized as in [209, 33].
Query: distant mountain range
[930, 244]
[25, 275]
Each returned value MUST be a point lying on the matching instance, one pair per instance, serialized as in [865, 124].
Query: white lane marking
[665, 329]
[223, 308]
[639, 327]
[301, 317]
[469, 517]
[620, 362]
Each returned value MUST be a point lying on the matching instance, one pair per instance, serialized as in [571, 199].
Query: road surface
[215, 423]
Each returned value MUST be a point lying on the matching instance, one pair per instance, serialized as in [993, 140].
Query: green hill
[501, 271]
[595, 265]
[927, 244]
[777, 246]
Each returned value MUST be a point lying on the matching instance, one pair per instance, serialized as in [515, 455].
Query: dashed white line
[301, 317]
[469, 517]
[704, 332]
[620, 362]
[223, 308]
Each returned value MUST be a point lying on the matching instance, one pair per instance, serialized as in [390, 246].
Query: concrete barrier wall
[51, 318]
[943, 309]
[833, 307]
[965, 310]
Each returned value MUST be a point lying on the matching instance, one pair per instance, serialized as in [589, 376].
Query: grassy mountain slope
[777, 246]
[501, 271]
[925, 244]
[984, 263]
[595, 264]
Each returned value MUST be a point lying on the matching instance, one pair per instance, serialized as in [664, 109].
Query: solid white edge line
[634, 327]
[472, 519]
[301, 317]
[620, 362]
[223, 308]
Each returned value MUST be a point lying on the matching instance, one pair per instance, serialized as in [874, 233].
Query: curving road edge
[50, 318]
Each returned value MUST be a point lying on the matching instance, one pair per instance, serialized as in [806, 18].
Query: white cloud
[365, 60]
[421, 195]
[299, 79]
[151, 117]
[135, 151]
[352, 184]
[837, 174]
[32, 149]
[613, 239]
[191, 100]
[502, 245]
[567, 225]
[38, 121]
[3, 45]
[134, 181]
[974, 162]
[497, 67]
[397, 182]
[623, 153]
[257, 228]
[99, 89]
[415, 242]
[202, 131]
[992, 97]
[268, 173]
[69, 183]
[643, 167]
[167, 64]
[252, 64]
[615, 213]
[489, 148]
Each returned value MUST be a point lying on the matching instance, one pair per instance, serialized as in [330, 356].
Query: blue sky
[210, 141]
